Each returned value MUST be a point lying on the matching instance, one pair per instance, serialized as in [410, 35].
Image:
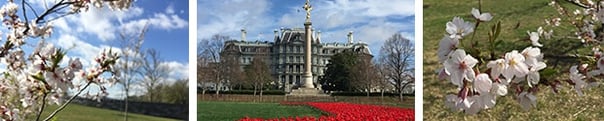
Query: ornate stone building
[285, 54]
[288, 56]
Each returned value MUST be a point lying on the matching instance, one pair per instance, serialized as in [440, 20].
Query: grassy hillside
[75, 112]
[517, 16]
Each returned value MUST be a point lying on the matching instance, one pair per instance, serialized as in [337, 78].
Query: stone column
[308, 81]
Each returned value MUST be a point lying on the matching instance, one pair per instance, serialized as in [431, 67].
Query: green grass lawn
[517, 16]
[230, 111]
[75, 112]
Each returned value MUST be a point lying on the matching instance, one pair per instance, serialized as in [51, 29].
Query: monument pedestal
[307, 92]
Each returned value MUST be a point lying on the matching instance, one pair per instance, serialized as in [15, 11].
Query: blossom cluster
[587, 16]
[341, 111]
[478, 90]
[45, 75]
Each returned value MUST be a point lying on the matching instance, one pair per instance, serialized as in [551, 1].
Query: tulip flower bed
[340, 111]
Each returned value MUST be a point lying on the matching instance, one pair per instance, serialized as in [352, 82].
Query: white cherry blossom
[483, 83]
[577, 78]
[548, 35]
[458, 28]
[534, 37]
[456, 103]
[499, 89]
[497, 67]
[481, 16]
[532, 56]
[600, 64]
[9, 9]
[480, 102]
[516, 66]
[445, 47]
[533, 75]
[460, 66]
[443, 74]
[527, 100]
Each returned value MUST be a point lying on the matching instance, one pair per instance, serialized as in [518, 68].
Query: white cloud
[95, 22]
[170, 9]
[372, 21]
[229, 17]
[334, 14]
[105, 23]
[78, 48]
[178, 71]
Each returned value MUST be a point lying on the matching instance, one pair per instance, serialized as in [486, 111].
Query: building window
[298, 49]
[288, 48]
[297, 59]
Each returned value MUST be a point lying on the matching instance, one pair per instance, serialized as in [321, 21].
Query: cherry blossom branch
[67, 103]
[46, 13]
[41, 108]
[574, 2]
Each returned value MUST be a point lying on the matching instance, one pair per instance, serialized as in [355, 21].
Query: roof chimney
[312, 33]
[350, 37]
[243, 32]
[319, 36]
[276, 35]
[282, 30]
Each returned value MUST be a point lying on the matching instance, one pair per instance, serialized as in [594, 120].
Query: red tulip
[340, 111]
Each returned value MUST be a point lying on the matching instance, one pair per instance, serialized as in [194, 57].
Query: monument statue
[308, 8]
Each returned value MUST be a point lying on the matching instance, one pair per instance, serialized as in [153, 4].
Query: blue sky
[87, 33]
[372, 21]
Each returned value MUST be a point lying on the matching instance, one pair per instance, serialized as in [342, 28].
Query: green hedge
[365, 94]
[281, 92]
[249, 92]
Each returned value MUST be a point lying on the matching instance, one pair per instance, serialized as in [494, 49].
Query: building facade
[285, 54]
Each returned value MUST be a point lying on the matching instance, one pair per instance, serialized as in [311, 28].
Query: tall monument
[307, 88]
[308, 78]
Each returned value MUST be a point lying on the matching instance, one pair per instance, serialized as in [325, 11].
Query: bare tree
[209, 52]
[364, 75]
[258, 73]
[130, 62]
[231, 66]
[203, 72]
[397, 57]
[383, 83]
[153, 73]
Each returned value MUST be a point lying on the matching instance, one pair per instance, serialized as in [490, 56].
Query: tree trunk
[203, 93]
[382, 96]
[255, 88]
[401, 92]
[261, 88]
[126, 106]
[217, 89]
